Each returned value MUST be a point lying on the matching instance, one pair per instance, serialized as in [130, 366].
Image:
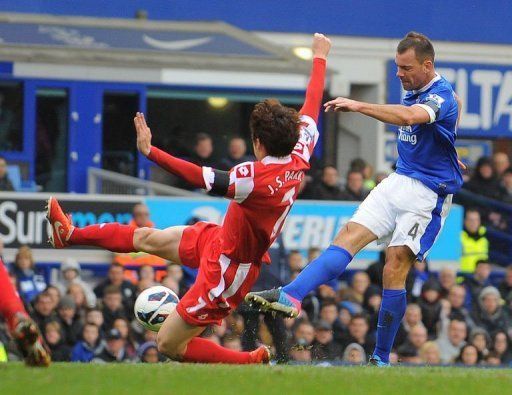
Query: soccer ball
[153, 306]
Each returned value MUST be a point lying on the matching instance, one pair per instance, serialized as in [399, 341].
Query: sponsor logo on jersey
[432, 97]
[405, 134]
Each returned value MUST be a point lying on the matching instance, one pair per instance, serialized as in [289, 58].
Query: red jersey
[263, 193]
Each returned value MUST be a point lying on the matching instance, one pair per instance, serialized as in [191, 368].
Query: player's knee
[167, 347]
[141, 238]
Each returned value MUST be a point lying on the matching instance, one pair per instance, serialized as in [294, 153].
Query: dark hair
[359, 316]
[112, 289]
[422, 46]
[275, 126]
[358, 164]
[478, 354]
[201, 137]
[329, 302]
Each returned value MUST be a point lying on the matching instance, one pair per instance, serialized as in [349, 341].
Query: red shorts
[221, 284]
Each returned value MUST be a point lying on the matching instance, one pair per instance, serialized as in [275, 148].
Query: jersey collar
[267, 160]
[426, 87]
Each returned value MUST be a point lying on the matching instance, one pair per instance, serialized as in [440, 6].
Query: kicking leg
[328, 266]
[394, 302]
[178, 340]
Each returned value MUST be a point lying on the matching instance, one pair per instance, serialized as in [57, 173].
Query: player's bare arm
[394, 114]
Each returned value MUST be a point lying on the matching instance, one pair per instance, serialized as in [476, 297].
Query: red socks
[205, 351]
[113, 236]
[10, 302]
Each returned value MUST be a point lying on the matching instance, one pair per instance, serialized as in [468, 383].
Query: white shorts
[403, 211]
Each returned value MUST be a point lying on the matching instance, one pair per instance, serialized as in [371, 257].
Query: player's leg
[373, 219]
[178, 340]
[399, 260]
[419, 221]
[114, 236]
[23, 329]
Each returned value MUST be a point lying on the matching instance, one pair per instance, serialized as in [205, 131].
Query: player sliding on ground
[21, 327]
[408, 208]
[228, 256]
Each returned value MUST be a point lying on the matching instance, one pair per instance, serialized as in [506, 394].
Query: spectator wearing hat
[148, 353]
[90, 347]
[60, 351]
[70, 271]
[354, 354]
[451, 340]
[431, 306]
[71, 325]
[324, 348]
[358, 332]
[491, 315]
[114, 350]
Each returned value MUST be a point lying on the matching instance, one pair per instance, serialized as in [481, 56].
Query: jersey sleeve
[307, 139]
[437, 104]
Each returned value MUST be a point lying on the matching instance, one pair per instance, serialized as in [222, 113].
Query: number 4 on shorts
[414, 231]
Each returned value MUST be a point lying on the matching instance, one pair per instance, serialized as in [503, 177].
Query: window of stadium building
[11, 116]
[52, 139]
[119, 138]
[177, 120]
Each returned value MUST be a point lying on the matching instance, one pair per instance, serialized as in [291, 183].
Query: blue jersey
[426, 151]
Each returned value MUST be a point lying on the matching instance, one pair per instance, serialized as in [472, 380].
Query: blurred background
[73, 74]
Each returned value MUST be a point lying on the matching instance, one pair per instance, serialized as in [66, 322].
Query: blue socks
[328, 266]
[392, 310]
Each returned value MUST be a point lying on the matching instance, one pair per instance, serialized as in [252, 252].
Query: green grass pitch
[126, 379]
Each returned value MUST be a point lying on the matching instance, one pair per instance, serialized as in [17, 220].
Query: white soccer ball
[153, 306]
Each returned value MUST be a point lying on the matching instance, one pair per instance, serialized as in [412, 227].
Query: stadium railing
[101, 181]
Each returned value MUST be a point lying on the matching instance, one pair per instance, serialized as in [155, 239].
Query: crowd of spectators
[448, 319]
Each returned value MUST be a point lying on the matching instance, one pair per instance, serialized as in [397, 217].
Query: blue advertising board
[485, 91]
[309, 224]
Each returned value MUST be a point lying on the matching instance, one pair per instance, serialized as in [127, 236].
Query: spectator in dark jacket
[430, 305]
[30, 283]
[484, 181]
[112, 306]
[491, 316]
[60, 351]
[116, 277]
[237, 153]
[502, 346]
[71, 325]
[43, 311]
[328, 188]
[324, 348]
[90, 347]
[354, 189]
[358, 329]
[114, 350]
[476, 282]
[505, 286]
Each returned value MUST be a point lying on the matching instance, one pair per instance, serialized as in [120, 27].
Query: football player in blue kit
[406, 210]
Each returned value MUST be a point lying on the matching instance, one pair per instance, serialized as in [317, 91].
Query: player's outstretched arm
[315, 90]
[186, 170]
[395, 114]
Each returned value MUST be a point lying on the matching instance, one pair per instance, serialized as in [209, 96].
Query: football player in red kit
[22, 328]
[228, 256]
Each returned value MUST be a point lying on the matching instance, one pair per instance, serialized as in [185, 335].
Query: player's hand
[321, 46]
[342, 104]
[462, 165]
[143, 134]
